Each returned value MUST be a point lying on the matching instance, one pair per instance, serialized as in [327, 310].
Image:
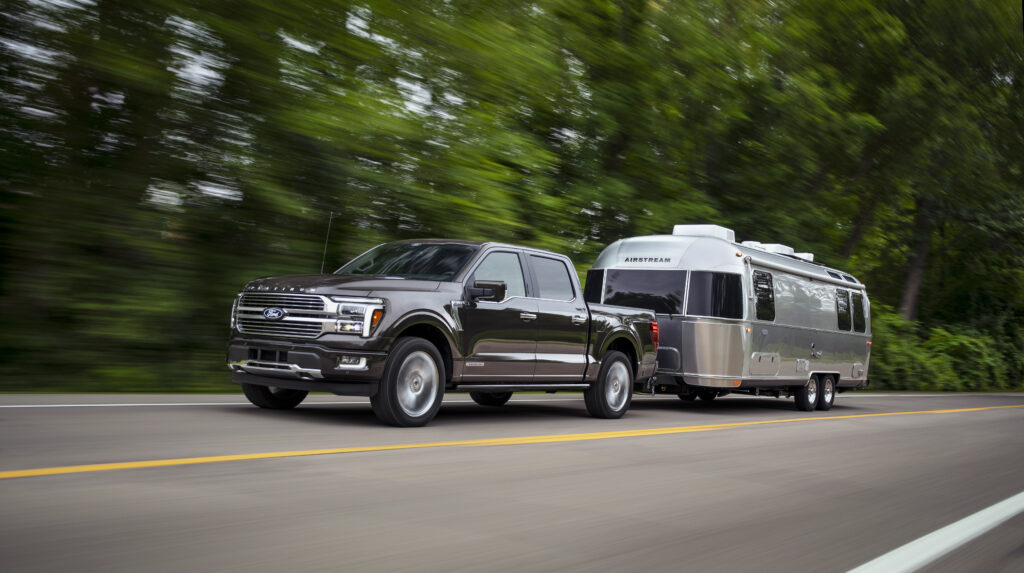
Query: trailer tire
[273, 398]
[707, 394]
[806, 396]
[688, 397]
[490, 398]
[826, 392]
[412, 386]
[609, 396]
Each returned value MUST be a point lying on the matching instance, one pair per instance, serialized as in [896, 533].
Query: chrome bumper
[275, 369]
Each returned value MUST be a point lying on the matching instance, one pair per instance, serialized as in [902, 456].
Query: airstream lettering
[754, 318]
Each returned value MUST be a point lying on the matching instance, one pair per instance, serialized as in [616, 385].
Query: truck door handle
[527, 316]
[578, 319]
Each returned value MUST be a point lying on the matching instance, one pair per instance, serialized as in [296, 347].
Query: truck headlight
[234, 311]
[357, 315]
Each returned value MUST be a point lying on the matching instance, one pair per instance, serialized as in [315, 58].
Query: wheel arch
[623, 343]
[431, 331]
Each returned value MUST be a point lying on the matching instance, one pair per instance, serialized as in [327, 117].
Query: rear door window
[662, 291]
[552, 278]
[715, 294]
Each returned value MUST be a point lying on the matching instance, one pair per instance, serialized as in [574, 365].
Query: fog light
[351, 362]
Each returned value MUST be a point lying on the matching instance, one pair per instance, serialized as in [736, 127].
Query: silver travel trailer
[743, 317]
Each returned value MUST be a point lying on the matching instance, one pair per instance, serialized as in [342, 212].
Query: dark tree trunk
[868, 204]
[921, 244]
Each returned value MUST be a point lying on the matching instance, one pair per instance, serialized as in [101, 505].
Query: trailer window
[843, 308]
[858, 312]
[764, 296]
[659, 290]
[595, 283]
[715, 294]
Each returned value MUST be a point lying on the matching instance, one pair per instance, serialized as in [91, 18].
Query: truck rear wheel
[490, 398]
[272, 397]
[610, 395]
[412, 386]
[806, 396]
[826, 392]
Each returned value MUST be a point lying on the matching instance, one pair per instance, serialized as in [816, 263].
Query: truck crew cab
[407, 321]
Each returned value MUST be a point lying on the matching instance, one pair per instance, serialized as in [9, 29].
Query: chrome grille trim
[283, 300]
[307, 315]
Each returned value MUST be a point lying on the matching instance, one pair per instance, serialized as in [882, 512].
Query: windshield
[423, 261]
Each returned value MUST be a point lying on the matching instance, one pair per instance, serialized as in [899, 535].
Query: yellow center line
[520, 440]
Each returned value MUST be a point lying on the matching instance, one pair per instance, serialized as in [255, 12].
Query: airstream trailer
[746, 317]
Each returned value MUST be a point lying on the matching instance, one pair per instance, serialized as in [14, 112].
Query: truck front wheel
[273, 398]
[412, 386]
[610, 395]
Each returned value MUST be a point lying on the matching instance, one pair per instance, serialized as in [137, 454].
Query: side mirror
[487, 290]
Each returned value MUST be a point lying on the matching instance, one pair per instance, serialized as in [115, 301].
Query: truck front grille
[282, 300]
[305, 315]
[280, 328]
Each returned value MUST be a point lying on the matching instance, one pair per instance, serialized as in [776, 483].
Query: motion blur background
[157, 154]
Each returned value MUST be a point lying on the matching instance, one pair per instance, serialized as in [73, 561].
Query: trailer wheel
[273, 398]
[688, 397]
[827, 392]
[610, 395]
[707, 394]
[490, 398]
[806, 396]
[412, 386]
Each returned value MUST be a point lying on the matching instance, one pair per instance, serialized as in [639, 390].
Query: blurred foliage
[155, 155]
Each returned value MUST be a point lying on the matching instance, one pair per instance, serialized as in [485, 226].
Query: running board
[518, 387]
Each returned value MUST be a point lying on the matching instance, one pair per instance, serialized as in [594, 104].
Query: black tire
[273, 398]
[412, 387]
[490, 398]
[707, 394]
[806, 396]
[610, 396]
[690, 397]
[826, 392]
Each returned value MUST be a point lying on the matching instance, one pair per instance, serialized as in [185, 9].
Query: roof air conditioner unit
[705, 231]
[779, 249]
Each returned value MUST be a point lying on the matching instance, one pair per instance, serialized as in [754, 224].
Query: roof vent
[753, 245]
[809, 257]
[705, 231]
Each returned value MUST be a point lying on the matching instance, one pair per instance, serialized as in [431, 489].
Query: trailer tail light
[655, 334]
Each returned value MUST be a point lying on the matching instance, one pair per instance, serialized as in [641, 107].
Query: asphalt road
[791, 495]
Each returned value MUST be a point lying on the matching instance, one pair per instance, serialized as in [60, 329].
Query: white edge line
[313, 403]
[924, 550]
[242, 403]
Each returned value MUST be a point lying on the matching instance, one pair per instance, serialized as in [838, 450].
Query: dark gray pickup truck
[407, 321]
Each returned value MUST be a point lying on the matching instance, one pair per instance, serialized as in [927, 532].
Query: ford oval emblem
[273, 313]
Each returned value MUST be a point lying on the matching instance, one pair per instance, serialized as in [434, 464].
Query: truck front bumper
[305, 367]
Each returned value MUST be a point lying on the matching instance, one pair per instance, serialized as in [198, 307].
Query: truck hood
[339, 284]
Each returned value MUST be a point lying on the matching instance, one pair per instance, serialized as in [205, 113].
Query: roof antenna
[323, 261]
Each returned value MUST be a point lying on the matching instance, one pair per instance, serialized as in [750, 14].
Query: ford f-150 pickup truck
[407, 321]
